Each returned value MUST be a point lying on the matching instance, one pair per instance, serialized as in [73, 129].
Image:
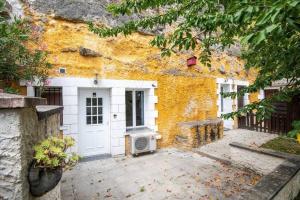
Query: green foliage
[16, 60]
[296, 130]
[11, 90]
[51, 153]
[283, 144]
[267, 30]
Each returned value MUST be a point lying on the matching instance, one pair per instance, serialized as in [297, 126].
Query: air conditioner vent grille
[141, 143]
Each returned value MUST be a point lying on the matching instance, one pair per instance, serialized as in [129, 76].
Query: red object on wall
[191, 61]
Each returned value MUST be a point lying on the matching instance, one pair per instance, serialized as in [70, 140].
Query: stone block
[195, 134]
[88, 52]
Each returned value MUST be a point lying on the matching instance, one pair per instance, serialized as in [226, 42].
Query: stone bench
[197, 133]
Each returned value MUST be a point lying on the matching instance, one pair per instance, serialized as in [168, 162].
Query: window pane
[128, 99]
[88, 101]
[88, 120]
[94, 110]
[88, 110]
[99, 101]
[94, 119]
[100, 119]
[139, 107]
[94, 102]
[99, 110]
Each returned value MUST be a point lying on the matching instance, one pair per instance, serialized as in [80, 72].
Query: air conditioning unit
[142, 142]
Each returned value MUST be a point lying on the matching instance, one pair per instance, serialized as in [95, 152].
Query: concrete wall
[20, 130]
[291, 189]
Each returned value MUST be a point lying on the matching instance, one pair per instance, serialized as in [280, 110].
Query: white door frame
[106, 118]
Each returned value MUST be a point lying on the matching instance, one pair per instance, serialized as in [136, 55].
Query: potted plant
[50, 158]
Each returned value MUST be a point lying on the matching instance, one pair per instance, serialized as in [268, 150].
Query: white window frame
[134, 108]
[97, 113]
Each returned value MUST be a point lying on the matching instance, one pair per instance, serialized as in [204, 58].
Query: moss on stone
[283, 144]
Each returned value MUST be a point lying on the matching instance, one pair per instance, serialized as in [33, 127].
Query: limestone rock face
[79, 10]
[85, 10]
[15, 8]
[69, 49]
[88, 52]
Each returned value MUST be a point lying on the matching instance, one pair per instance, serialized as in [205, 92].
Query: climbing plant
[267, 30]
[17, 61]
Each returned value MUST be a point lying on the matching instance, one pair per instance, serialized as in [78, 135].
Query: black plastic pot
[42, 180]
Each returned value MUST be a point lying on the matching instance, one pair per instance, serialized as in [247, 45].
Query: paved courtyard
[174, 174]
[167, 174]
[263, 164]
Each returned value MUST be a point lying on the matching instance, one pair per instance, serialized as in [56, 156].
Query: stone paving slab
[221, 149]
[166, 174]
[282, 183]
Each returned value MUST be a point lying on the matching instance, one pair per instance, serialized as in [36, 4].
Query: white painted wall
[117, 95]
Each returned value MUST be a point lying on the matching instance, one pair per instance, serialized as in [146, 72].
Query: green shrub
[17, 60]
[11, 90]
[51, 153]
[296, 130]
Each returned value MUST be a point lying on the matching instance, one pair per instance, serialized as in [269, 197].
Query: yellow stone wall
[184, 93]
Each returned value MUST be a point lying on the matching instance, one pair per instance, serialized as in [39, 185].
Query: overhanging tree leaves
[16, 60]
[267, 30]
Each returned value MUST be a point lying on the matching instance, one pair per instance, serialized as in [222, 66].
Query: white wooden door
[94, 132]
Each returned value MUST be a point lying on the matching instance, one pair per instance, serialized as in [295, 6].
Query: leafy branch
[268, 32]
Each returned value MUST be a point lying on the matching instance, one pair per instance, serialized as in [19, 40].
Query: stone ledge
[193, 134]
[201, 122]
[46, 111]
[279, 183]
[19, 101]
[266, 151]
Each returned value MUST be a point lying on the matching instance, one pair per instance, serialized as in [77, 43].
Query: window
[225, 103]
[134, 108]
[222, 99]
[94, 110]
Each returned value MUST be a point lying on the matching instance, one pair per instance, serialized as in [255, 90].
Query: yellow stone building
[112, 87]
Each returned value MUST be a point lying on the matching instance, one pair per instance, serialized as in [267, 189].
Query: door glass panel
[139, 107]
[94, 119]
[88, 110]
[94, 101]
[94, 110]
[99, 110]
[88, 101]
[100, 119]
[128, 99]
[100, 101]
[88, 120]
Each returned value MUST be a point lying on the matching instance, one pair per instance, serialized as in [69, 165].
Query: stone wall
[291, 190]
[198, 133]
[20, 130]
